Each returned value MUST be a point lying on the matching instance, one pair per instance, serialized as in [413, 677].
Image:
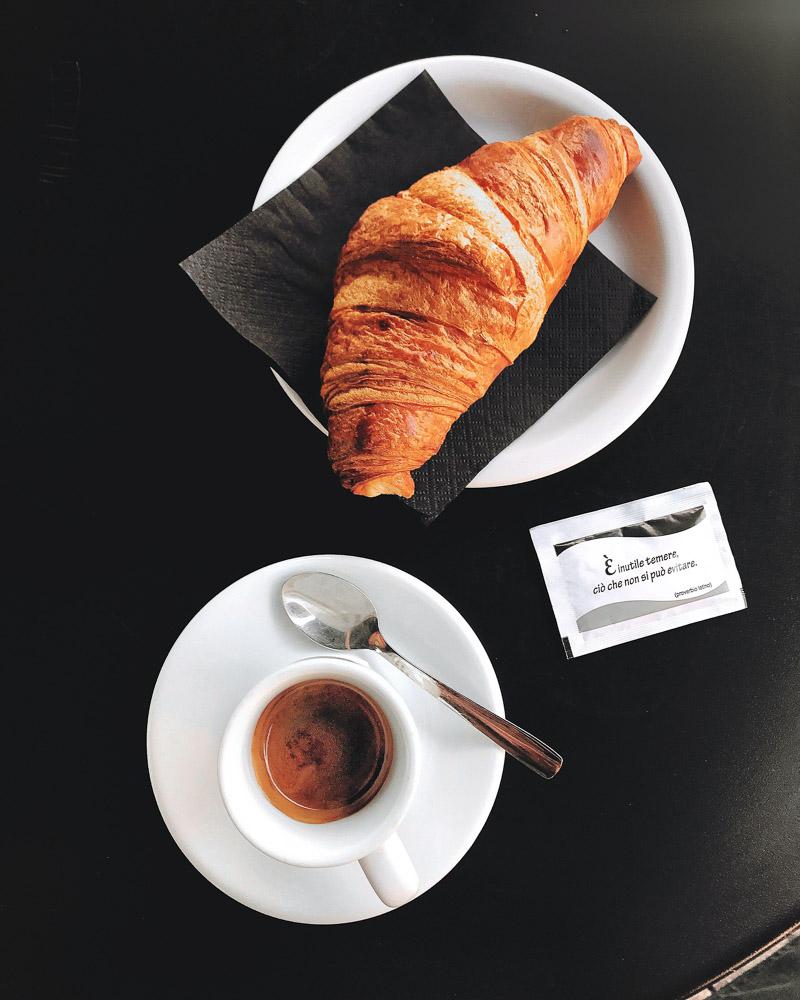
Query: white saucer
[646, 235]
[242, 635]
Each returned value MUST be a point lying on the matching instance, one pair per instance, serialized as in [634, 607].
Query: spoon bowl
[330, 610]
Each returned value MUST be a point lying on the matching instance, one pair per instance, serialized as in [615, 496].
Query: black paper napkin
[271, 277]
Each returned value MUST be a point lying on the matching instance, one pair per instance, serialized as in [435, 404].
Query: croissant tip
[631, 148]
[400, 484]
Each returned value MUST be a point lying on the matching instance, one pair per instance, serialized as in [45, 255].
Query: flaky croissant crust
[440, 287]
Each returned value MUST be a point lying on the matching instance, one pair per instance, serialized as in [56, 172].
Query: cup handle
[391, 872]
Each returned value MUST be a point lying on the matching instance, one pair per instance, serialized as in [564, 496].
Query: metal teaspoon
[336, 614]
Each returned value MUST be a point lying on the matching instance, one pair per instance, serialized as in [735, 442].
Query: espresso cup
[369, 835]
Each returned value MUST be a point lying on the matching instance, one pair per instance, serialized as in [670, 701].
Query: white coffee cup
[368, 836]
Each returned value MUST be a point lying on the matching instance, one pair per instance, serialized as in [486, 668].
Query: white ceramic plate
[241, 636]
[646, 235]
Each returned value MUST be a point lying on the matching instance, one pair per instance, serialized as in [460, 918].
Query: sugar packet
[637, 569]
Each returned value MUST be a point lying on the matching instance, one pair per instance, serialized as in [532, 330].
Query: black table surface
[154, 460]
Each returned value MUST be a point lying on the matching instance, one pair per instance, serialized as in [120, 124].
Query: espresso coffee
[321, 750]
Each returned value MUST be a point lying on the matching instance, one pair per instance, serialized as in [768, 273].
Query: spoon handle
[521, 745]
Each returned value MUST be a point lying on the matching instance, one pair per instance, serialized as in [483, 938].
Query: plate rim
[679, 322]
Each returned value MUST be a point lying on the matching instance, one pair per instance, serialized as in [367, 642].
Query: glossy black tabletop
[153, 460]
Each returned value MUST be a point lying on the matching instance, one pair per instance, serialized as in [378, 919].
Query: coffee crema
[321, 750]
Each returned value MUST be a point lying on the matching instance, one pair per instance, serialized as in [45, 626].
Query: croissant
[440, 287]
